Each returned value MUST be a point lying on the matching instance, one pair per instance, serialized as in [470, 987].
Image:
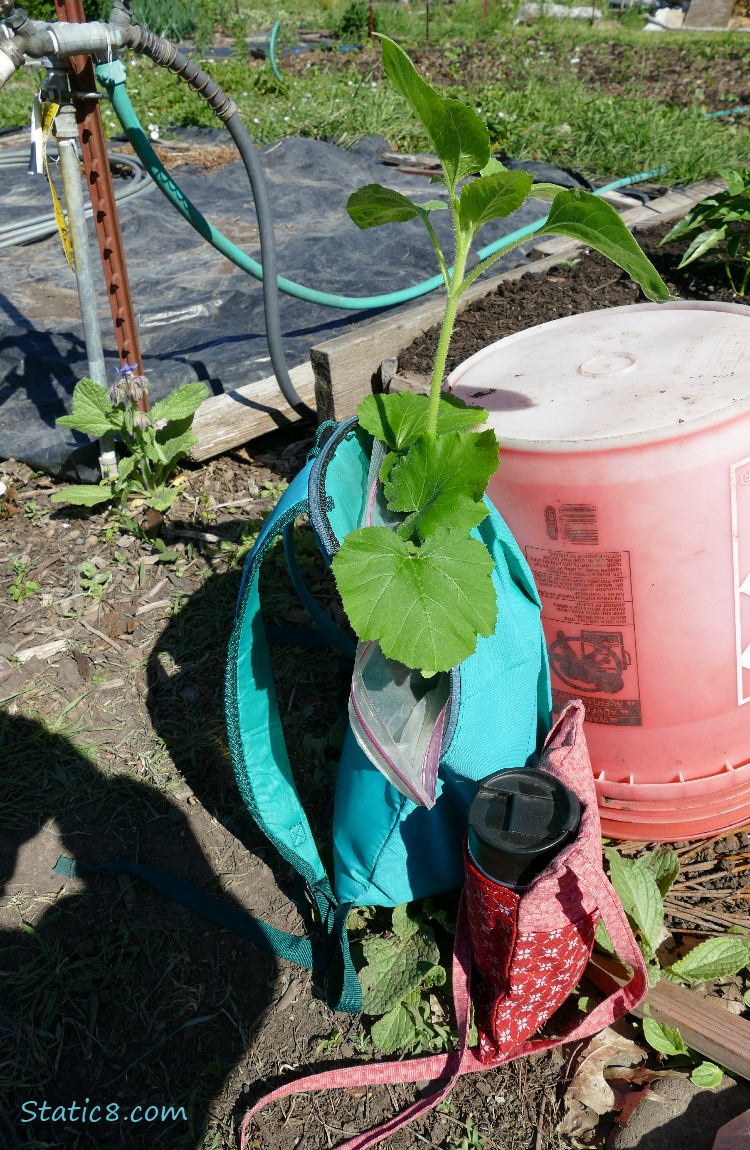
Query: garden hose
[112, 76]
[168, 56]
[271, 53]
[38, 227]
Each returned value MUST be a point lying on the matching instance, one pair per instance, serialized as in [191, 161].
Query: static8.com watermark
[88, 1112]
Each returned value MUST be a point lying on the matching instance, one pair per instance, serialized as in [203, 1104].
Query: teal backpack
[387, 850]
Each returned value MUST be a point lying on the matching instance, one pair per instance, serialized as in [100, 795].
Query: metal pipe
[66, 133]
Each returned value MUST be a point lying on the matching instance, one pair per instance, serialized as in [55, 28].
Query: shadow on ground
[111, 995]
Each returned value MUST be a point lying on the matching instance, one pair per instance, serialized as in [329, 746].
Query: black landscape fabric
[199, 316]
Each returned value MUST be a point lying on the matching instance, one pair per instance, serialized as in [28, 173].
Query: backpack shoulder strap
[259, 753]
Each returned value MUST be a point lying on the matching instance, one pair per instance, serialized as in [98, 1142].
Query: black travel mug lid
[519, 820]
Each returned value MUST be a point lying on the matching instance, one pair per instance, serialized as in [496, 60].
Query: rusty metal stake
[99, 180]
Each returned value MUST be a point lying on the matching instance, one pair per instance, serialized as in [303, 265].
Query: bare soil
[673, 73]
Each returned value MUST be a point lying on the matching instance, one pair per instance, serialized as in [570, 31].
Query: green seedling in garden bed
[21, 588]
[397, 969]
[719, 227]
[93, 582]
[435, 594]
[155, 441]
[641, 885]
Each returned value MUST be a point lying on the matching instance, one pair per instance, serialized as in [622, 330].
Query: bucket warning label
[739, 477]
[587, 613]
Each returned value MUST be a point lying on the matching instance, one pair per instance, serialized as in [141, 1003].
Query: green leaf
[396, 967]
[399, 419]
[181, 403]
[738, 182]
[162, 500]
[83, 495]
[174, 444]
[707, 1075]
[545, 191]
[404, 923]
[425, 606]
[714, 958]
[681, 229]
[91, 412]
[602, 939]
[442, 481]
[492, 198]
[746, 998]
[458, 135]
[665, 1039]
[492, 167]
[374, 205]
[703, 243]
[588, 218]
[396, 1030]
[664, 865]
[638, 893]
[125, 467]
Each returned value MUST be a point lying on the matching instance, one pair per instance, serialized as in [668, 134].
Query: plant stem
[455, 288]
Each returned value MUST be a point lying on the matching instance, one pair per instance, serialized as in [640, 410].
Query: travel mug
[531, 917]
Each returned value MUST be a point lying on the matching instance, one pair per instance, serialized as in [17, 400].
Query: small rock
[691, 1116]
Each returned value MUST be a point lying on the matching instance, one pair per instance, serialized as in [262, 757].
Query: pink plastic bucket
[625, 477]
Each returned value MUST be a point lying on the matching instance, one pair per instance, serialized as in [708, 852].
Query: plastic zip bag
[396, 714]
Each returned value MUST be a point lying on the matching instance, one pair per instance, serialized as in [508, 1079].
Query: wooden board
[705, 1025]
[709, 14]
[229, 420]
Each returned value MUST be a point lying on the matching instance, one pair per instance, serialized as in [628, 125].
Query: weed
[470, 1139]
[22, 588]
[271, 490]
[355, 21]
[641, 885]
[93, 582]
[330, 1045]
[32, 512]
[156, 441]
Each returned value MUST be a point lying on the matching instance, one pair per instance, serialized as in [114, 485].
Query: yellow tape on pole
[49, 111]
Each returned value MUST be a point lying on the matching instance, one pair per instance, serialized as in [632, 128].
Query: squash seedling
[424, 591]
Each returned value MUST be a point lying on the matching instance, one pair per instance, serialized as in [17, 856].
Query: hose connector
[10, 59]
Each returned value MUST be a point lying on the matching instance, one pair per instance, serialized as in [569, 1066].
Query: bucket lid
[620, 373]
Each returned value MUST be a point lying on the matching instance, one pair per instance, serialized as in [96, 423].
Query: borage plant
[424, 591]
[155, 441]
